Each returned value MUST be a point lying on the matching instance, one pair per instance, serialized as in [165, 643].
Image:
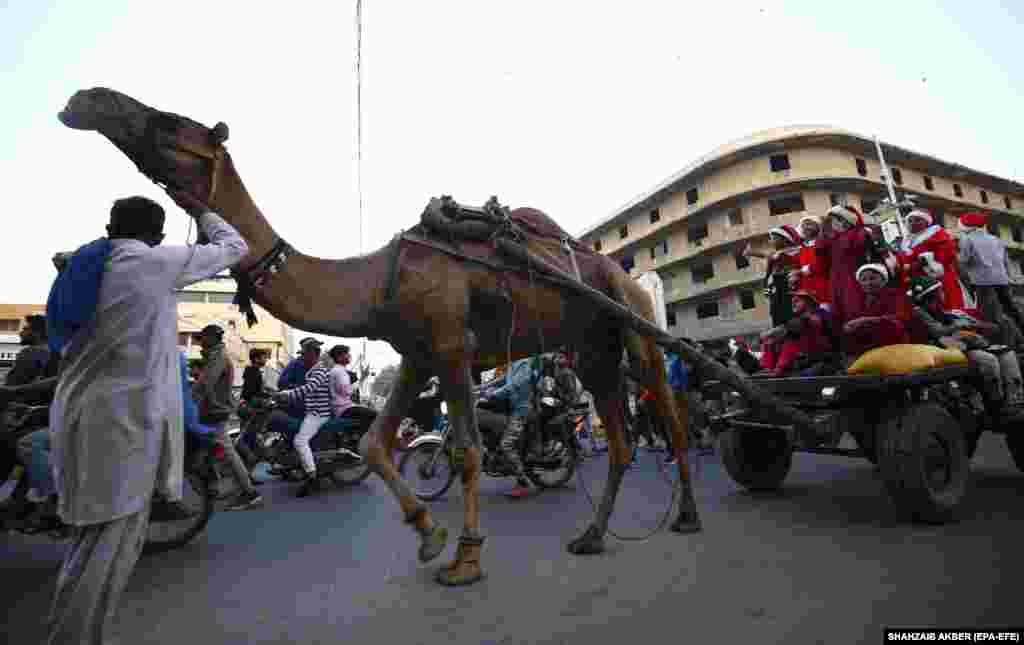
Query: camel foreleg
[379, 445]
[619, 456]
[457, 384]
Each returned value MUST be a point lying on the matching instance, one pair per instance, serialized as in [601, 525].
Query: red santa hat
[848, 214]
[880, 268]
[787, 233]
[974, 219]
[920, 213]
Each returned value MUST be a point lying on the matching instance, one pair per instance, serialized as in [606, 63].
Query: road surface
[829, 560]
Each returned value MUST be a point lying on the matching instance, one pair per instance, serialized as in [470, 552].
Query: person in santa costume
[812, 276]
[847, 243]
[930, 251]
[803, 346]
[781, 263]
[883, 316]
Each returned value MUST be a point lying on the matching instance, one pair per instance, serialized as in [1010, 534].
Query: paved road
[827, 561]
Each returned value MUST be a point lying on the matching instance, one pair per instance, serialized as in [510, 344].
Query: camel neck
[331, 297]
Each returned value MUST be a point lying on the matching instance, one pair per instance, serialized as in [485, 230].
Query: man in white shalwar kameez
[117, 413]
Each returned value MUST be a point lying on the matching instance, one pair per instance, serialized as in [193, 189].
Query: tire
[167, 536]
[1015, 444]
[351, 475]
[923, 458]
[442, 477]
[569, 460]
[758, 460]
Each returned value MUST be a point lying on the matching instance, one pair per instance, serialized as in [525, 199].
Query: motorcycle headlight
[444, 407]
[548, 401]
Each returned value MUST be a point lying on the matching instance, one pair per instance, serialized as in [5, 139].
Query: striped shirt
[316, 393]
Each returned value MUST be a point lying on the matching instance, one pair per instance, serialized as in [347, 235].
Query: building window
[928, 183]
[691, 196]
[624, 232]
[862, 168]
[702, 272]
[897, 176]
[670, 317]
[868, 204]
[747, 299]
[628, 263]
[1009, 204]
[697, 233]
[655, 216]
[661, 248]
[957, 190]
[736, 217]
[1017, 235]
[787, 204]
[779, 163]
[835, 199]
[742, 261]
[597, 245]
[10, 325]
[707, 310]
[984, 197]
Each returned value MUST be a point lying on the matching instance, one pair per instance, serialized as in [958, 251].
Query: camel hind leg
[378, 446]
[647, 362]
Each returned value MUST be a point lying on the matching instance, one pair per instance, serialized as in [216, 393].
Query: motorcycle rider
[518, 391]
[34, 361]
[287, 420]
[341, 380]
[317, 398]
[216, 403]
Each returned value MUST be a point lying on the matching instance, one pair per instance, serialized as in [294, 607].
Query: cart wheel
[923, 458]
[756, 459]
[1015, 442]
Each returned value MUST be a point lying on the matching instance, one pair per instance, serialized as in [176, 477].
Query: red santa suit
[891, 306]
[814, 269]
[845, 252]
[932, 252]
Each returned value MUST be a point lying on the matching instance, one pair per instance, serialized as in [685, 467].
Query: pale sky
[571, 107]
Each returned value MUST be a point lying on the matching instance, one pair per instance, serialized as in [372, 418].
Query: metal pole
[887, 176]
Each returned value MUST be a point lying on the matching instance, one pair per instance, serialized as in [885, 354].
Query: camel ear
[219, 133]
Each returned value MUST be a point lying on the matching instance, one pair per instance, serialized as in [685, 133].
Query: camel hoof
[687, 525]
[590, 543]
[433, 544]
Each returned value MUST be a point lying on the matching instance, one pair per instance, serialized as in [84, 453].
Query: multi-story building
[210, 301]
[692, 228]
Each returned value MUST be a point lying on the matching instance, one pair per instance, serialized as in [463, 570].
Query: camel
[443, 314]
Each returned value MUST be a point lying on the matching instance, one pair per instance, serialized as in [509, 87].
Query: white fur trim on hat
[783, 233]
[920, 214]
[845, 214]
[880, 268]
[810, 218]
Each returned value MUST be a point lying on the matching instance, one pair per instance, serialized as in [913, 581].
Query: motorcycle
[201, 456]
[335, 447]
[549, 449]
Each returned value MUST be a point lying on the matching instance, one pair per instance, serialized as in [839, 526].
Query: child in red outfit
[930, 251]
[800, 343]
[813, 274]
[884, 314]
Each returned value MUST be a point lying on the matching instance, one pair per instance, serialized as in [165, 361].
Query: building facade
[692, 228]
[210, 301]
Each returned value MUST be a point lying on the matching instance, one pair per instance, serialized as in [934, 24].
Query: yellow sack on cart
[893, 360]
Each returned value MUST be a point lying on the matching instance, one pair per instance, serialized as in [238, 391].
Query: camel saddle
[476, 231]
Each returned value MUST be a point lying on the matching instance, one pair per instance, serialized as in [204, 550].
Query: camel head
[170, 149]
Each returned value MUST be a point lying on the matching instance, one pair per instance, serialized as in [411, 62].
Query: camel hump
[537, 222]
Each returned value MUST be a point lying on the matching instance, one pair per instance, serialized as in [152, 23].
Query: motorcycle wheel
[568, 459]
[428, 486]
[167, 536]
[351, 475]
